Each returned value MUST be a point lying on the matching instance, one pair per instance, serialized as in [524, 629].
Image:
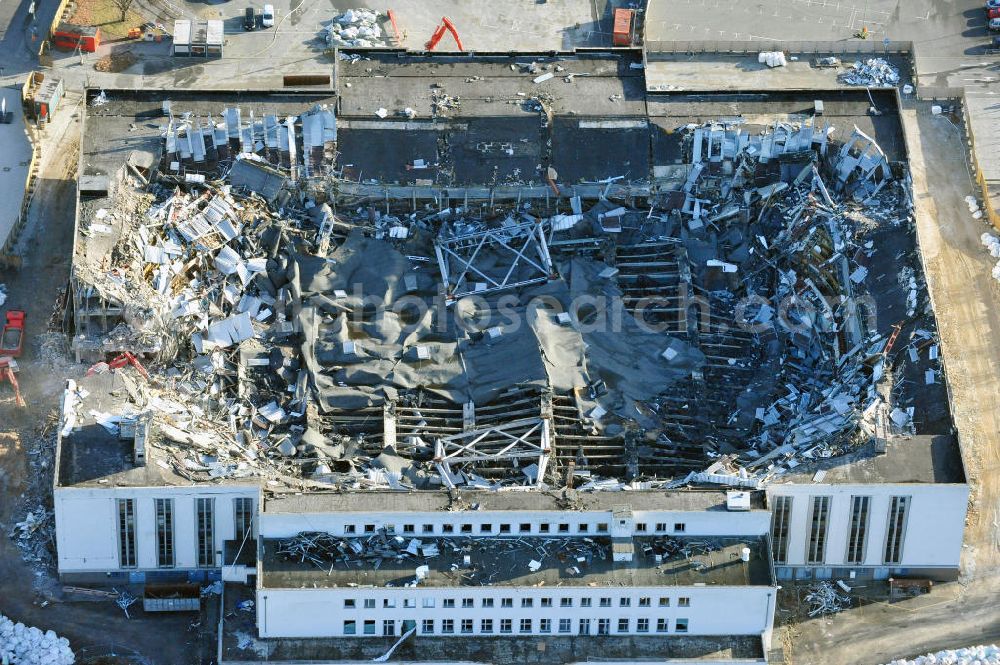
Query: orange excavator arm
[445, 25]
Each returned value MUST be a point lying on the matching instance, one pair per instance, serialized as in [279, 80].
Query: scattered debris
[24, 645]
[125, 600]
[825, 598]
[475, 560]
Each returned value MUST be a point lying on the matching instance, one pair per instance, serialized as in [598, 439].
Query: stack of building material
[772, 58]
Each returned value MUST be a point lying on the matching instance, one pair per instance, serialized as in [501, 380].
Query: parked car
[267, 19]
[994, 24]
[993, 13]
[992, 4]
[249, 19]
[994, 45]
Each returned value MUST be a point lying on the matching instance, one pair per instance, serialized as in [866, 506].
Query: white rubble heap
[978, 655]
[872, 73]
[992, 244]
[355, 27]
[24, 645]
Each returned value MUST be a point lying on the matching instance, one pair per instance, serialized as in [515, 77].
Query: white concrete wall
[743, 610]
[934, 526]
[696, 523]
[87, 524]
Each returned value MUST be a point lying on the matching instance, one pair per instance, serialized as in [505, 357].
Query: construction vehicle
[397, 36]
[119, 361]
[439, 31]
[11, 345]
[12, 338]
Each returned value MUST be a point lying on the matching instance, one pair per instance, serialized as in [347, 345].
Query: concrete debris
[24, 645]
[247, 642]
[992, 244]
[825, 598]
[358, 28]
[872, 73]
[978, 655]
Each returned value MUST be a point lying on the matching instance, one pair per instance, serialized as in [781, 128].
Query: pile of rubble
[992, 244]
[978, 655]
[249, 298]
[358, 28]
[35, 536]
[24, 645]
[872, 73]
[826, 598]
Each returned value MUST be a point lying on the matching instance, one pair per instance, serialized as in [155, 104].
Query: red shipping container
[68, 36]
[622, 35]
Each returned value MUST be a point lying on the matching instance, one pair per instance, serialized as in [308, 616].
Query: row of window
[165, 534]
[819, 525]
[522, 528]
[468, 603]
[524, 626]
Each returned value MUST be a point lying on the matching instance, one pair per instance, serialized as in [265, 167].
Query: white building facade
[826, 531]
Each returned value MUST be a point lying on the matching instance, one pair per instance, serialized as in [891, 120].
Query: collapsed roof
[590, 341]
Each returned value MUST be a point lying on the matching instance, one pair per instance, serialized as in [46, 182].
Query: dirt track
[93, 628]
[966, 300]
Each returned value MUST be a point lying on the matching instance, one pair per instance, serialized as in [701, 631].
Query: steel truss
[526, 439]
[518, 245]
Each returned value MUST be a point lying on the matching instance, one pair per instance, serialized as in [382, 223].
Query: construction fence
[746, 47]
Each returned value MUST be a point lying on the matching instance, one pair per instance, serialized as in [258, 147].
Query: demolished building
[650, 346]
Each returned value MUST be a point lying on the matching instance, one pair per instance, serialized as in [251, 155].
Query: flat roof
[910, 459]
[492, 86]
[563, 562]
[429, 501]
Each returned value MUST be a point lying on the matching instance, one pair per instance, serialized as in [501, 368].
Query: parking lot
[950, 38]
[295, 44]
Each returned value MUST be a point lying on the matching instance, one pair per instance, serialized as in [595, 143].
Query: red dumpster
[70, 37]
[624, 27]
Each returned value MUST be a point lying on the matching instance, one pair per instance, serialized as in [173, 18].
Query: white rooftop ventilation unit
[738, 501]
